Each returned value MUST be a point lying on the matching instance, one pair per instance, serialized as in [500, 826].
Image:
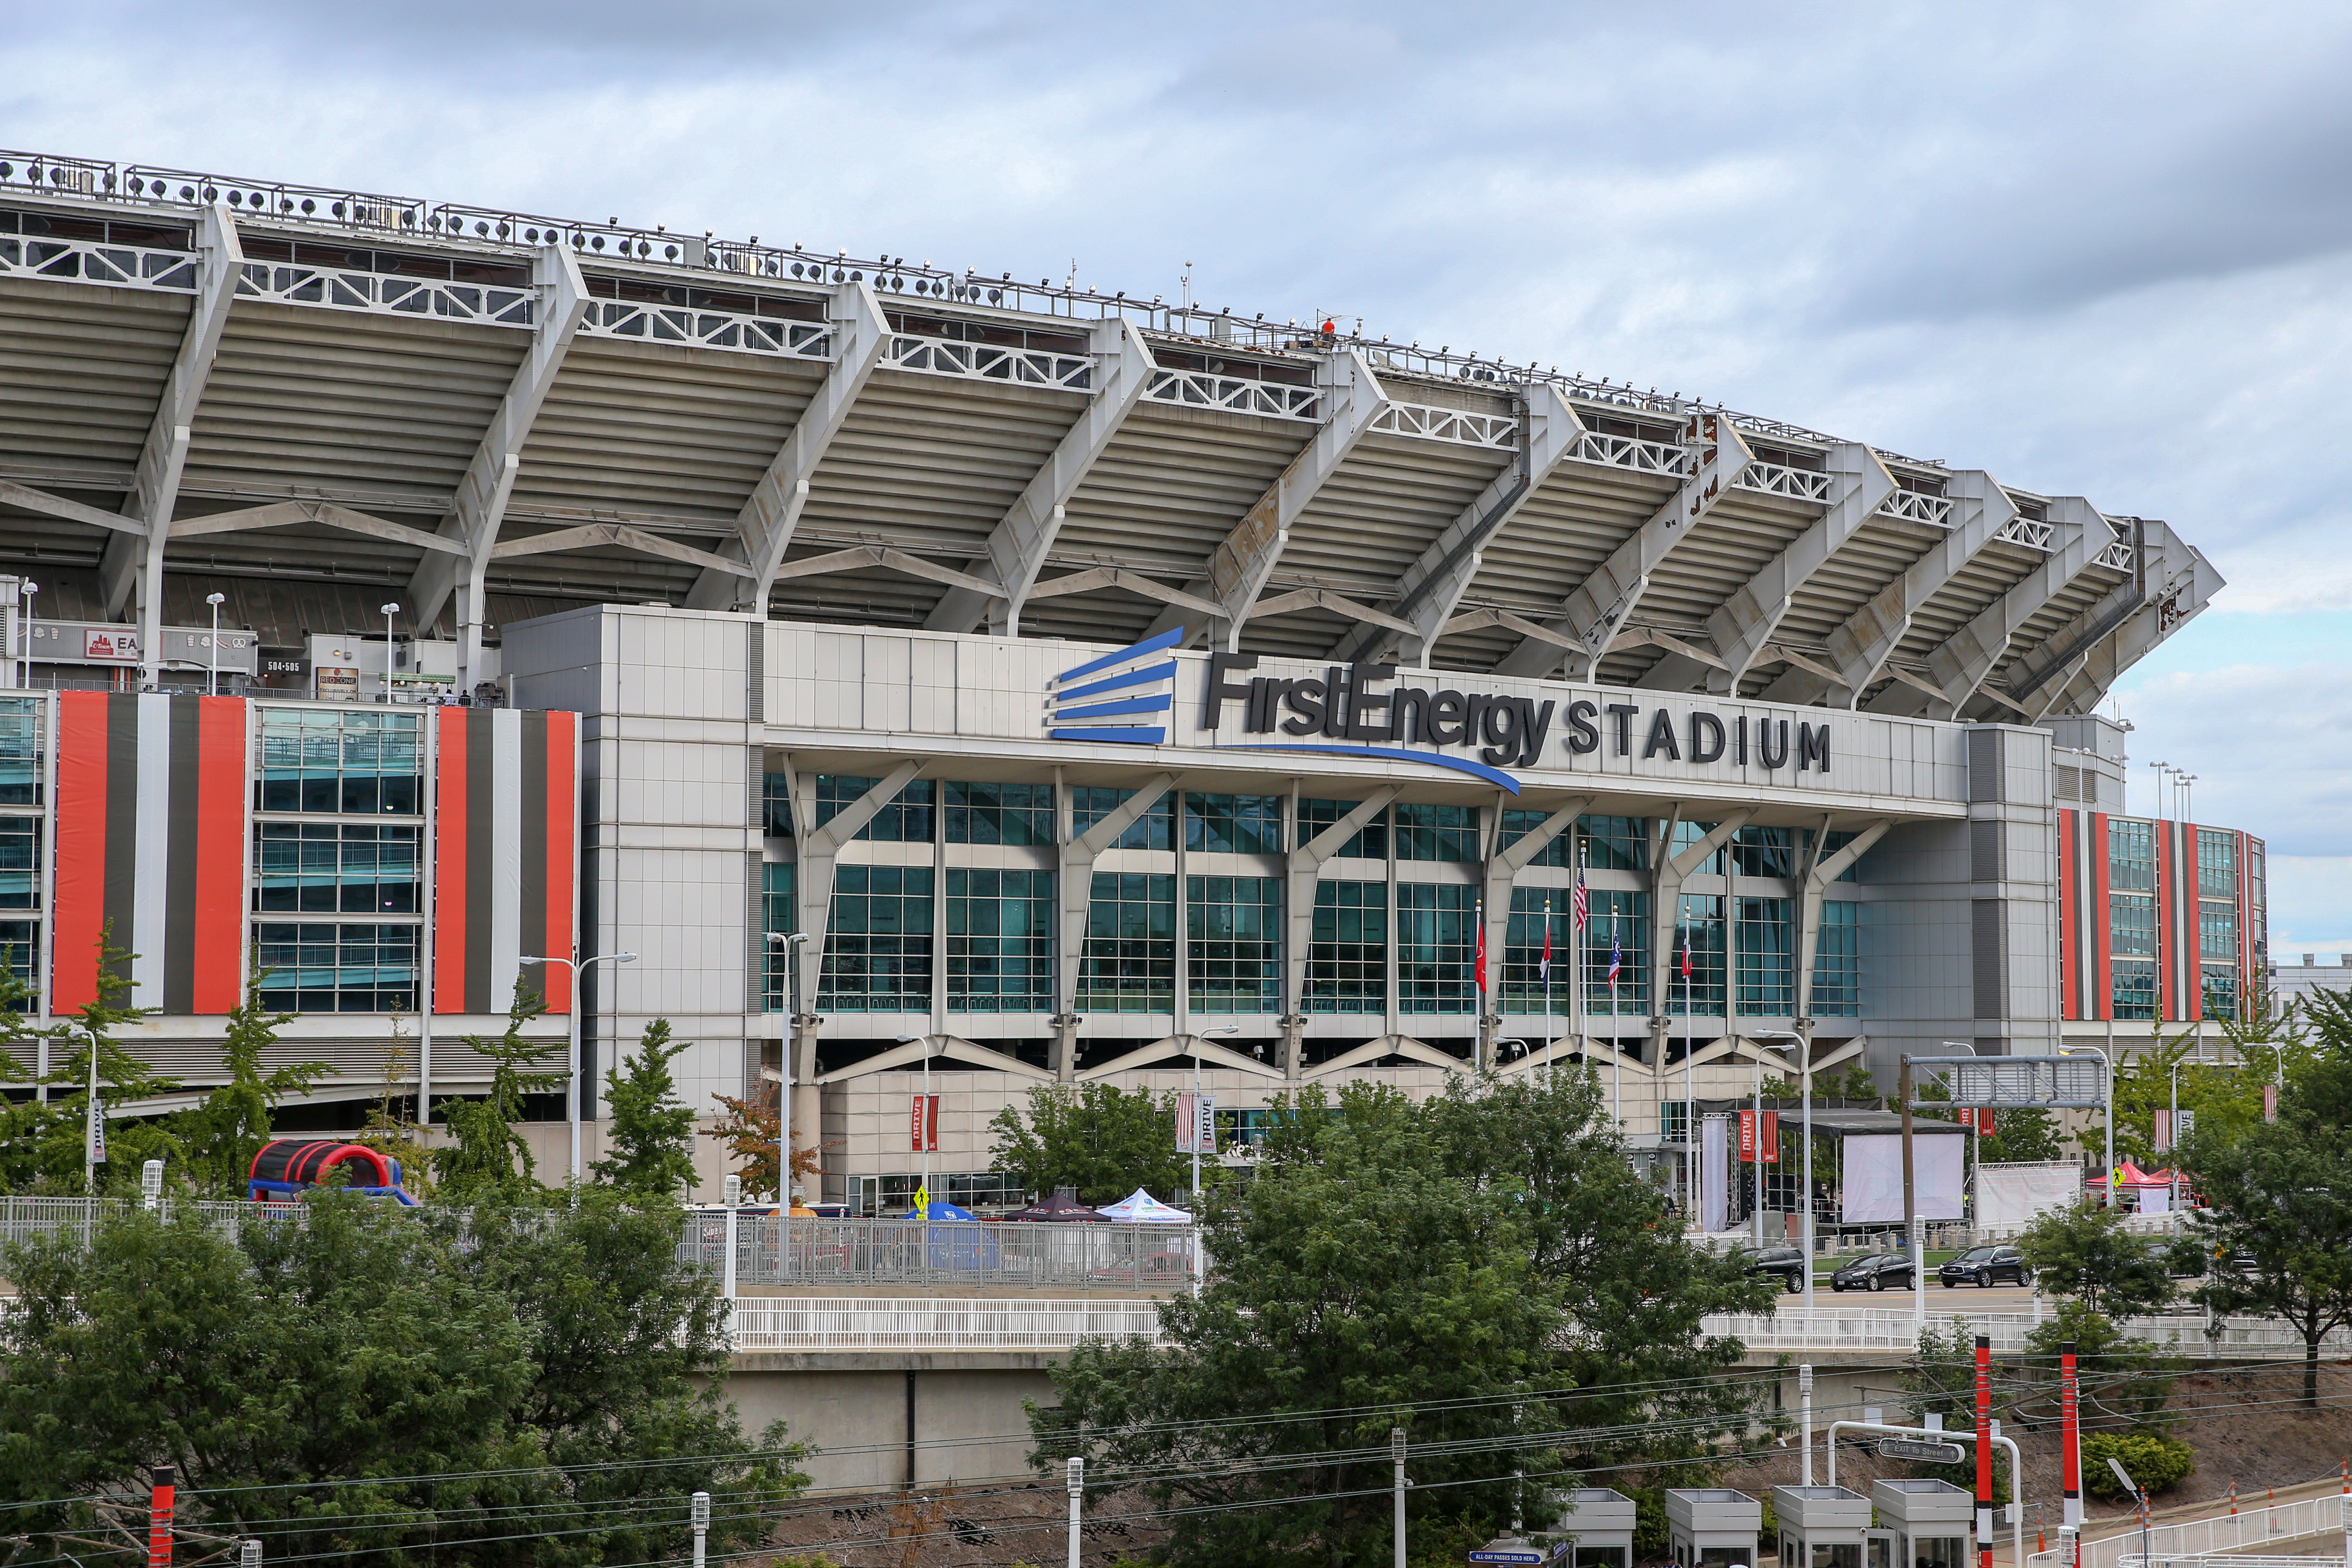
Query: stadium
[410, 592]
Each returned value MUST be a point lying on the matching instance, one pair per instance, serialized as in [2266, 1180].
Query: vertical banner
[504, 838]
[1713, 1173]
[2270, 1102]
[1196, 1124]
[924, 1125]
[2163, 1131]
[1752, 1140]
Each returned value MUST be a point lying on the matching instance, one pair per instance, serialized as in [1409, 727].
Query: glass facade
[1129, 962]
[21, 939]
[1016, 813]
[1698, 933]
[1618, 934]
[1347, 966]
[2220, 982]
[330, 966]
[776, 915]
[2131, 856]
[20, 750]
[877, 944]
[906, 820]
[1233, 956]
[1767, 946]
[1444, 832]
[1234, 823]
[999, 941]
[1689, 834]
[1764, 851]
[2216, 932]
[776, 805]
[1837, 961]
[2217, 863]
[1155, 830]
[355, 763]
[20, 862]
[1370, 841]
[1615, 843]
[1437, 941]
[1521, 988]
[349, 868]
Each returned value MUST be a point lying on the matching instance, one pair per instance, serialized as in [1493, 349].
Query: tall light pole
[1801, 1046]
[2175, 1150]
[212, 676]
[2187, 798]
[931, 1129]
[578, 968]
[1198, 1036]
[789, 942]
[28, 590]
[2161, 768]
[2108, 1099]
[387, 612]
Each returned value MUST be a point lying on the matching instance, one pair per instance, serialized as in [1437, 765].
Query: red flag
[1685, 961]
[1544, 968]
[1482, 953]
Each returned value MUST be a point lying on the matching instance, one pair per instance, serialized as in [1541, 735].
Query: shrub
[2155, 1461]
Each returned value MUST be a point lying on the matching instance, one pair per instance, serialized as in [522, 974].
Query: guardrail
[966, 1254]
[2199, 1536]
[1897, 1333]
[929, 1323]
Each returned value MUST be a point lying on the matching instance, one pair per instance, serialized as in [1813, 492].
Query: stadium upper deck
[215, 383]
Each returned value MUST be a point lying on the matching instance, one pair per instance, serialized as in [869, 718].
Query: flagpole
[1546, 988]
[1690, 1083]
[1616, 1052]
[1579, 915]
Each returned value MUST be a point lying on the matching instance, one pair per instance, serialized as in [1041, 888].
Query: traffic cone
[2233, 1497]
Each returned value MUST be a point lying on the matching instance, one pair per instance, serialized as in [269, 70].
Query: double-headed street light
[1801, 1044]
[571, 1059]
[789, 942]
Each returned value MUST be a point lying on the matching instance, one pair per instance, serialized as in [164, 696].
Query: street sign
[1491, 1557]
[2067, 1082]
[1924, 1450]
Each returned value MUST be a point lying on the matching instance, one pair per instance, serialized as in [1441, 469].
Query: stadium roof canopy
[314, 399]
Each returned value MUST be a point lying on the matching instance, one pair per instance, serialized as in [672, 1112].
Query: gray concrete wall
[968, 1424]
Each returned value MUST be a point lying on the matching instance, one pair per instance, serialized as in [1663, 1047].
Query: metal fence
[934, 1323]
[1897, 1333]
[2231, 1532]
[965, 1254]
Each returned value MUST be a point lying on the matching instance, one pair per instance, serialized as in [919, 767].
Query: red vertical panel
[2168, 926]
[218, 936]
[449, 863]
[2101, 931]
[562, 840]
[80, 912]
[2192, 928]
[2070, 952]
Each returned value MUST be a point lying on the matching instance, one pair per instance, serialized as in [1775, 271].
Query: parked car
[1985, 1265]
[1879, 1271]
[1787, 1262]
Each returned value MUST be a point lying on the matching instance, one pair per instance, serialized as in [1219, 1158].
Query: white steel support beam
[1498, 878]
[1961, 664]
[1741, 628]
[2180, 584]
[132, 565]
[763, 529]
[1823, 868]
[589, 535]
[278, 514]
[481, 506]
[1601, 605]
[1861, 647]
[1670, 872]
[1239, 567]
[1431, 587]
[1302, 870]
[1074, 890]
[817, 849]
[42, 501]
[1018, 546]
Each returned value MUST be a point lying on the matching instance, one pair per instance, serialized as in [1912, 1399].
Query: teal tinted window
[1089, 804]
[1369, 842]
[1617, 954]
[351, 763]
[20, 862]
[348, 867]
[1233, 950]
[1837, 961]
[20, 750]
[336, 966]
[999, 941]
[777, 914]
[878, 945]
[1698, 932]
[1442, 833]
[1768, 957]
[1129, 962]
[999, 814]
[1347, 964]
[1234, 823]
[1437, 939]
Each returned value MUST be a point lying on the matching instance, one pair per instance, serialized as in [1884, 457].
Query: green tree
[480, 1163]
[2023, 1134]
[749, 1133]
[2280, 1198]
[2126, 1382]
[652, 1130]
[41, 1143]
[224, 1133]
[388, 1130]
[360, 1386]
[2156, 1462]
[1943, 1375]
[2086, 1253]
[1483, 1270]
[1102, 1140]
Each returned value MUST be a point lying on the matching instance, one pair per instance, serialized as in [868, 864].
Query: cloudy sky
[2099, 249]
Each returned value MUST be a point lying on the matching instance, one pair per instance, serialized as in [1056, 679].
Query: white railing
[2197, 1537]
[947, 1254]
[2025, 530]
[1884, 1327]
[1498, 432]
[95, 261]
[1910, 505]
[882, 1323]
[1627, 452]
[1235, 394]
[2119, 556]
[384, 294]
[1793, 484]
[708, 329]
[989, 362]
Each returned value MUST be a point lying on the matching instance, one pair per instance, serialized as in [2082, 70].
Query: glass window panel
[1615, 843]
[1698, 932]
[777, 913]
[2220, 982]
[1233, 958]
[2131, 856]
[776, 805]
[1347, 963]
[878, 956]
[329, 867]
[336, 966]
[1129, 962]
[1837, 961]
[356, 764]
[2131, 925]
[1687, 834]
[1618, 936]
[22, 942]
[2217, 930]
[1016, 813]
[1234, 823]
[20, 862]
[2134, 995]
[1437, 940]
[906, 820]
[1371, 840]
[1525, 987]
[20, 750]
[1768, 957]
[1764, 851]
[999, 941]
[1089, 804]
[2217, 863]
[1442, 832]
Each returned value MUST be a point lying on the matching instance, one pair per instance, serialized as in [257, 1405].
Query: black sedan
[1880, 1271]
[1984, 1266]
[1787, 1262]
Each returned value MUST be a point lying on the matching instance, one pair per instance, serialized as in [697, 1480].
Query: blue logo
[1132, 694]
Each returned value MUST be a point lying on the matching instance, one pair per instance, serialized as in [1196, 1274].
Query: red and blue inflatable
[287, 1168]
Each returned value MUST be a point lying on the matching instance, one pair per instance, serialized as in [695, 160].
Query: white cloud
[2311, 905]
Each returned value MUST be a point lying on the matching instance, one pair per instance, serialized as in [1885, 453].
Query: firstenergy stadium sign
[1128, 697]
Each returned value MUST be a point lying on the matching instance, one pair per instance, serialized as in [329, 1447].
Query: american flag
[1580, 901]
[1543, 968]
[1616, 958]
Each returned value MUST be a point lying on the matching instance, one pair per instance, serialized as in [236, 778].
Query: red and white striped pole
[159, 1516]
[2070, 1441]
[1984, 1451]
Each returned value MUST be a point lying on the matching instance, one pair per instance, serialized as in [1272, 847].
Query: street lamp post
[1802, 1044]
[212, 674]
[789, 942]
[578, 967]
[930, 1128]
[387, 612]
[28, 590]
[2174, 1150]
[2108, 1100]
[1198, 1036]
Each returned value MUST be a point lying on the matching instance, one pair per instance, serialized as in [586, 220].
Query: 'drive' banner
[926, 1124]
[1771, 1137]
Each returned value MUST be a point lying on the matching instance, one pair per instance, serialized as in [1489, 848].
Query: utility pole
[698, 1519]
[1077, 1491]
[1396, 1456]
[1805, 1420]
[1984, 1452]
